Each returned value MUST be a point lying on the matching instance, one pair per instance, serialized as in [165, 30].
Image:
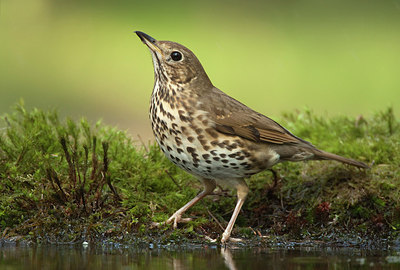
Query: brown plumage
[210, 134]
[233, 117]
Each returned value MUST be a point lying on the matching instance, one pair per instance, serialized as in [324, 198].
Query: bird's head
[174, 62]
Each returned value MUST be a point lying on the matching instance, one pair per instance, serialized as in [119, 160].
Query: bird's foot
[175, 219]
[156, 225]
[235, 240]
[226, 237]
[211, 240]
[223, 241]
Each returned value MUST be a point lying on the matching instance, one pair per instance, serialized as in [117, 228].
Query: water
[201, 257]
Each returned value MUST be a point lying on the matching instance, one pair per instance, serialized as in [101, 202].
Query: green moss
[64, 180]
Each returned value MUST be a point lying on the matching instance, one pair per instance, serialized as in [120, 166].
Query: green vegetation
[69, 181]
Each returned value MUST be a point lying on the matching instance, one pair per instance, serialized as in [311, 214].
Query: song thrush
[211, 135]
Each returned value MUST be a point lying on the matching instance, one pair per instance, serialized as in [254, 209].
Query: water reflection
[227, 255]
[202, 257]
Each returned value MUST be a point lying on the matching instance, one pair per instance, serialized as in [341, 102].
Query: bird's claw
[235, 240]
[177, 218]
[211, 240]
[226, 237]
[156, 225]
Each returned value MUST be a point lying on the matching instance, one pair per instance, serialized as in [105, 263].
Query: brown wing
[233, 117]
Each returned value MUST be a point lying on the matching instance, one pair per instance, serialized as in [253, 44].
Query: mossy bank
[70, 181]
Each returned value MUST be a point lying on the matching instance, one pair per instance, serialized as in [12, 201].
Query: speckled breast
[187, 137]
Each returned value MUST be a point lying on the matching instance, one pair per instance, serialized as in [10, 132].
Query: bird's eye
[176, 56]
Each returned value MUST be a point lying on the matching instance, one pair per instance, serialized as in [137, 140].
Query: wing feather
[233, 117]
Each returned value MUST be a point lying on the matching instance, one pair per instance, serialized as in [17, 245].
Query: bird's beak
[149, 41]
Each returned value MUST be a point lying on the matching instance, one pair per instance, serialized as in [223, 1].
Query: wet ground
[115, 256]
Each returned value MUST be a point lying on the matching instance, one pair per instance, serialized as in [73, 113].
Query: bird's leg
[242, 191]
[209, 186]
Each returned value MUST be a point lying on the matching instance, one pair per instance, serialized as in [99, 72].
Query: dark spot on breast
[173, 132]
[240, 158]
[205, 122]
[206, 147]
[233, 146]
[165, 113]
[225, 166]
[222, 145]
[190, 149]
[178, 141]
[208, 161]
[213, 152]
[222, 155]
[183, 118]
[179, 150]
[206, 156]
[195, 159]
[190, 139]
[170, 116]
[161, 108]
[196, 165]
[224, 161]
[216, 158]
[169, 148]
[164, 125]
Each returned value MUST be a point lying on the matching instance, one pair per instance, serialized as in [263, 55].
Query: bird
[211, 135]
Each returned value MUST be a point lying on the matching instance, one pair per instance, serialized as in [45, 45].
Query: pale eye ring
[176, 56]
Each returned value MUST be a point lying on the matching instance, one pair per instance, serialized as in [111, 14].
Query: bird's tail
[326, 155]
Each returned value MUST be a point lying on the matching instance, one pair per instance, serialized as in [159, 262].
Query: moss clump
[68, 181]
[62, 178]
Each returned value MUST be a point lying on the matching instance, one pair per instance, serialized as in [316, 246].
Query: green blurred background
[81, 57]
